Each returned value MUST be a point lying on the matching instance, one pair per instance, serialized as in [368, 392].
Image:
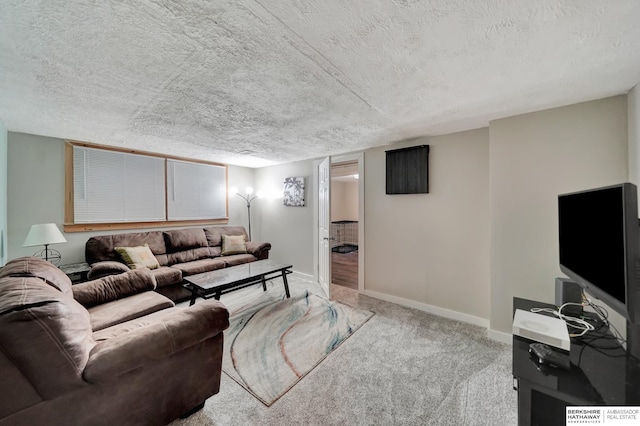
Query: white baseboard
[442, 312]
[435, 310]
[500, 336]
[302, 275]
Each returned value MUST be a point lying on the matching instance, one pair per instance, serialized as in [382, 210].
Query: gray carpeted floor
[403, 367]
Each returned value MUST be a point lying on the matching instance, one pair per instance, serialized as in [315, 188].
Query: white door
[324, 221]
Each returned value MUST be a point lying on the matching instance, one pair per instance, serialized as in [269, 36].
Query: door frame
[359, 157]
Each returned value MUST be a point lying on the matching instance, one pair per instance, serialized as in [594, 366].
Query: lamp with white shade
[42, 235]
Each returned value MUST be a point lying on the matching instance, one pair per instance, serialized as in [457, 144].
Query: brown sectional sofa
[180, 252]
[105, 352]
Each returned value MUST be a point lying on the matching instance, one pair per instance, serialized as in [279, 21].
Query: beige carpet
[404, 367]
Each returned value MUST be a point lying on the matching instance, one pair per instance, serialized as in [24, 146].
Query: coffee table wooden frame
[216, 283]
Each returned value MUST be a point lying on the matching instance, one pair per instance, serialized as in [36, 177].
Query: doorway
[344, 223]
[322, 215]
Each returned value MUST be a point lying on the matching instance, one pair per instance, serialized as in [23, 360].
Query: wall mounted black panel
[408, 170]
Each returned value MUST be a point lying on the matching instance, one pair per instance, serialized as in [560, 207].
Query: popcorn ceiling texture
[259, 82]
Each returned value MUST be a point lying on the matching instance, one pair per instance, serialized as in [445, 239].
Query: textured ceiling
[259, 82]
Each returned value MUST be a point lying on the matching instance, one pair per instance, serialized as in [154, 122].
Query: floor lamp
[248, 198]
[42, 235]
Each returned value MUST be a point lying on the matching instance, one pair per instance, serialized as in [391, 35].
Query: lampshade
[43, 234]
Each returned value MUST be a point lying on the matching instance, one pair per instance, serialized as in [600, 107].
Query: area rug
[271, 346]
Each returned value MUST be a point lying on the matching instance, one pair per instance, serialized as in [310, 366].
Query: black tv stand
[601, 373]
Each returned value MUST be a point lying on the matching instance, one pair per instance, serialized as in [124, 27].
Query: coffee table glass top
[238, 273]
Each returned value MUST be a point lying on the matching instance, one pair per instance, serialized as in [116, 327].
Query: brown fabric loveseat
[105, 352]
[180, 252]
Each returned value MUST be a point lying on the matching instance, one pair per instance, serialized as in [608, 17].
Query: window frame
[71, 226]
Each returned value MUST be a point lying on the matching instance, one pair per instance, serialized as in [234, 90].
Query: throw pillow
[233, 244]
[138, 257]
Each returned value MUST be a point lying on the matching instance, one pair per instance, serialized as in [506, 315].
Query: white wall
[344, 200]
[432, 248]
[535, 157]
[36, 194]
[3, 194]
[288, 229]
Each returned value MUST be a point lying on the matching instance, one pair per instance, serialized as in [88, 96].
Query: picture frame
[294, 191]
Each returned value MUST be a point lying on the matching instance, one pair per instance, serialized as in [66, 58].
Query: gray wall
[288, 229]
[535, 157]
[433, 248]
[36, 194]
[3, 194]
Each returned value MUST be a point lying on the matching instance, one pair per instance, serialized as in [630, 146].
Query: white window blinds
[111, 186]
[196, 191]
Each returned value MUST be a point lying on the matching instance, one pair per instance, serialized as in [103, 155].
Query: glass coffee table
[221, 281]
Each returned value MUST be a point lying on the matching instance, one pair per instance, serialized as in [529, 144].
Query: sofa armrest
[185, 327]
[259, 249]
[113, 287]
[105, 268]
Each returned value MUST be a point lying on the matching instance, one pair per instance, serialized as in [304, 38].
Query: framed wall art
[294, 191]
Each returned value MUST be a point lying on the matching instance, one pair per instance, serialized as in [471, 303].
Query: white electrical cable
[577, 323]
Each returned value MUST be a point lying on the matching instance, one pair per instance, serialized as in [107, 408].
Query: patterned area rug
[270, 346]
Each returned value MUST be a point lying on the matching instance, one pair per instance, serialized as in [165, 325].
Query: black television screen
[599, 239]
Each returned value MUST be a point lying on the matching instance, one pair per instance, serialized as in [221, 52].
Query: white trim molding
[442, 312]
[500, 336]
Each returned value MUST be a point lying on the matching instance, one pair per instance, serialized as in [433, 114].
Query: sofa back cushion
[102, 248]
[187, 245]
[184, 239]
[45, 333]
[214, 233]
[36, 267]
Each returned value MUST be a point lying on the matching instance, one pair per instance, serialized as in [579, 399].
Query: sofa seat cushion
[118, 311]
[239, 259]
[200, 266]
[166, 276]
[188, 255]
[138, 342]
[166, 315]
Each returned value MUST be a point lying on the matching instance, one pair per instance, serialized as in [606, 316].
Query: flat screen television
[600, 243]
